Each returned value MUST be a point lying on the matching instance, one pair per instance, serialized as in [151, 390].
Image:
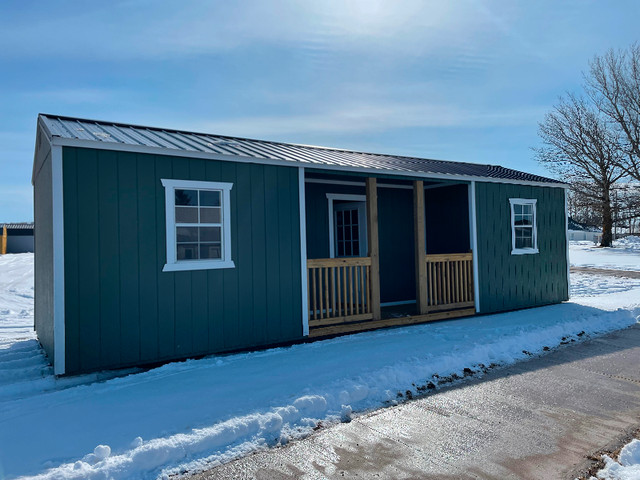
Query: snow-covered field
[187, 415]
[625, 255]
[628, 465]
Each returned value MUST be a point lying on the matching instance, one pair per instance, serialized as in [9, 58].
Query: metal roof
[309, 156]
[17, 226]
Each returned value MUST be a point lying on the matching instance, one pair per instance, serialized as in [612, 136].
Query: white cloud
[370, 118]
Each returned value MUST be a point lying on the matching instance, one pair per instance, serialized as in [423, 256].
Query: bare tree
[613, 83]
[584, 151]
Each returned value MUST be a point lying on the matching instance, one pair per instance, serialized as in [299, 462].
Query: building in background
[16, 237]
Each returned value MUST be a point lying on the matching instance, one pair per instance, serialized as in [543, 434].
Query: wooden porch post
[374, 247]
[420, 246]
[3, 241]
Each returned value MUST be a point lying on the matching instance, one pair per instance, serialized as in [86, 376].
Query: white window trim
[173, 264]
[524, 251]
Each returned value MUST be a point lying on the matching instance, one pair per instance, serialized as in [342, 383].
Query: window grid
[347, 223]
[199, 239]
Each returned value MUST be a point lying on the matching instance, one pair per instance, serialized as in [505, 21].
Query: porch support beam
[420, 246]
[374, 246]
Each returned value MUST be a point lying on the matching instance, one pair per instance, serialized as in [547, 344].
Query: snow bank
[627, 467]
[198, 413]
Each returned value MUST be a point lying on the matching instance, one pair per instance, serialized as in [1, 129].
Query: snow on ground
[624, 255]
[188, 415]
[628, 465]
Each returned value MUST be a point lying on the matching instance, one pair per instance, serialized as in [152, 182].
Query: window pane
[527, 209]
[210, 215]
[210, 198]
[356, 247]
[523, 220]
[339, 219]
[187, 251]
[340, 233]
[355, 232]
[210, 234]
[347, 249]
[186, 215]
[210, 250]
[354, 217]
[186, 197]
[524, 237]
[517, 208]
[341, 249]
[186, 234]
[347, 233]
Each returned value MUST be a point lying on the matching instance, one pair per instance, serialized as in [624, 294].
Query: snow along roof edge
[136, 136]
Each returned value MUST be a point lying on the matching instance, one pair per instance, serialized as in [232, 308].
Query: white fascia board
[303, 251]
[73, 142]
[58, 262]
[38, 159]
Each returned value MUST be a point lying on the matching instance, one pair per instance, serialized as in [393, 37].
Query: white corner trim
[173, 264]
[303, 251]
[566, 236]
[524, 251]
[59, 336]
[474, 245]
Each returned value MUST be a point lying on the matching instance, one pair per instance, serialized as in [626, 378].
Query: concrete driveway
[537, 419]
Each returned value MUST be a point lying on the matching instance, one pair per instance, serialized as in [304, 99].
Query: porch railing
[449, 281]
[339, 290]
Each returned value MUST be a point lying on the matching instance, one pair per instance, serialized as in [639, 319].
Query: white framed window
[198, 225]
[524, 230]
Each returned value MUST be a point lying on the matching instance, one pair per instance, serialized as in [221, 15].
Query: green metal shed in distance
[154, 245]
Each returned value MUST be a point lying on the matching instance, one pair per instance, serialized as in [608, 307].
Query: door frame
[344, 197]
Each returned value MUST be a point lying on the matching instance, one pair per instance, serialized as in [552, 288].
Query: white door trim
[339, 196]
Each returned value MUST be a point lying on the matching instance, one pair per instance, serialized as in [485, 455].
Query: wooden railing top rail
[338, 262]
[443, 257]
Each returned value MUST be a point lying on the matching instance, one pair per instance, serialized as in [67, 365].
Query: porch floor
[395, 316]
[399, 311]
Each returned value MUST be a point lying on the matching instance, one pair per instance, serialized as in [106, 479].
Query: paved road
[606, 271]
[534, 420]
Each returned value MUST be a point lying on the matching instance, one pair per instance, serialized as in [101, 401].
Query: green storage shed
[154, 245]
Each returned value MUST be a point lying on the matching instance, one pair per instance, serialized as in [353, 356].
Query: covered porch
[387, 252]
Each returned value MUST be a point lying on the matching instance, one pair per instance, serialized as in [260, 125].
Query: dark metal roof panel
[109, 132]
[17, 226]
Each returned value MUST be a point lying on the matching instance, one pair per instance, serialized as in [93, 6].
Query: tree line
[592, 141]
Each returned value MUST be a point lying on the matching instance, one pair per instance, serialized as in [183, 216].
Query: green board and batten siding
[509, 281]
[121, 309]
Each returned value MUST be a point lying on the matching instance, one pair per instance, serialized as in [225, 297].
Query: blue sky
[455, 80]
